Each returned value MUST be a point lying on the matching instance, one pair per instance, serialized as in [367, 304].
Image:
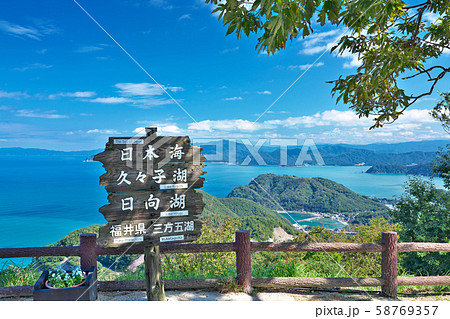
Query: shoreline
[314, 216]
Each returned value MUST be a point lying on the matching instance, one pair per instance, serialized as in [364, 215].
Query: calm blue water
[220, 178]
[44, 198]
[300, 219]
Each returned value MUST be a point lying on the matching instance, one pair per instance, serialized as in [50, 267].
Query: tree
[441, 111]
[442, 166]
[423, 213]
[393, 40]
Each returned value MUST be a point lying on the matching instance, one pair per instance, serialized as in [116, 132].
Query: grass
[18, 275]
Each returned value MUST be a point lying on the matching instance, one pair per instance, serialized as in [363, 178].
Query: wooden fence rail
[389, 248]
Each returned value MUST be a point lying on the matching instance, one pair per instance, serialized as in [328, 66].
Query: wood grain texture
[140, 160]
[169, 284]
[267, 282]
[329, 247]
[88, 250]
[389, 264]
[149, 232]
[154, 283]
[156, 141]
[39, 251]
[424, 280]
[119, 179]
[405, 247]
[243, 260]
[142, 208]
[171, 249]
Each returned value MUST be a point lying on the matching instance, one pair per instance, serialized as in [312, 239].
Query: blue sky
[66, 85]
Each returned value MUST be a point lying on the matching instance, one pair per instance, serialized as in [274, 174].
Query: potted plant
[60, 278]
[73, 284]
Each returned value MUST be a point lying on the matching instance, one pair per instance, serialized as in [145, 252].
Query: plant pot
[85, 291]
[50, 287]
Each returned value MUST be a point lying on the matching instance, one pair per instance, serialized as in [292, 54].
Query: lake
[43, 198]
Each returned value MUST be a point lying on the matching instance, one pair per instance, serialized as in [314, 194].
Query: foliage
[424, 169]
[441, 111]
[337, 155]
[205, 265]
[347, 264]
[254, 215]
[325, 264]
[60, 278]
[15, 275]
[251, 216]
[73, 239]
[423, 212]
[442, 166]
[393, 40]
[293, 193]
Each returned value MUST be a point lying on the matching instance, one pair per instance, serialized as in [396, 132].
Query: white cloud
[40, 114]
[87, 49]
[185, 16]
[33, 32]
[100, 131]
[81, 94]
[234, 98]
[305, 66]
[139, 94]
[229, 50]
[431, 17]
[144, 89]
[162, 129]
[227, 125]
[320, 42]
[34, 66]
[111, 100]
[149, 103]
[264, 92]
[13, 95]
[354, 60]
[412, 121]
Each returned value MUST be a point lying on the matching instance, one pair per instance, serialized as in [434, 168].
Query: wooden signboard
[152, 204]
[167, 177]
[150, 183]
[162, 230]
[139, 153]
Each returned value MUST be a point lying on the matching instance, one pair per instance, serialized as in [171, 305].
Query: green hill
[258, 219]
[421, 169]
[316, 194]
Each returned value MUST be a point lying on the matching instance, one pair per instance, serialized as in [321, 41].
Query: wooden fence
[389, 248]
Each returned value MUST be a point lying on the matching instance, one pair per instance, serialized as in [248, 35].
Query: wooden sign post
[150, 183]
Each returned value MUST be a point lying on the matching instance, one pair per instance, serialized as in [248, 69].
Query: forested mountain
[423, 169]
[258, 219]
[18, 151]
[317, 194]
[333, 155]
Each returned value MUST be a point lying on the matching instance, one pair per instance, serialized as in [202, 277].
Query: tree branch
[425, 71]
[417, 5]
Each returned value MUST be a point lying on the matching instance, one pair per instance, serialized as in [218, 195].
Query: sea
[42, 198]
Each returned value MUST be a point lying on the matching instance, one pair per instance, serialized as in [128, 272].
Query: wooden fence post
[389, 264]
[243, 260]
[88, 250]
[154, 282]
